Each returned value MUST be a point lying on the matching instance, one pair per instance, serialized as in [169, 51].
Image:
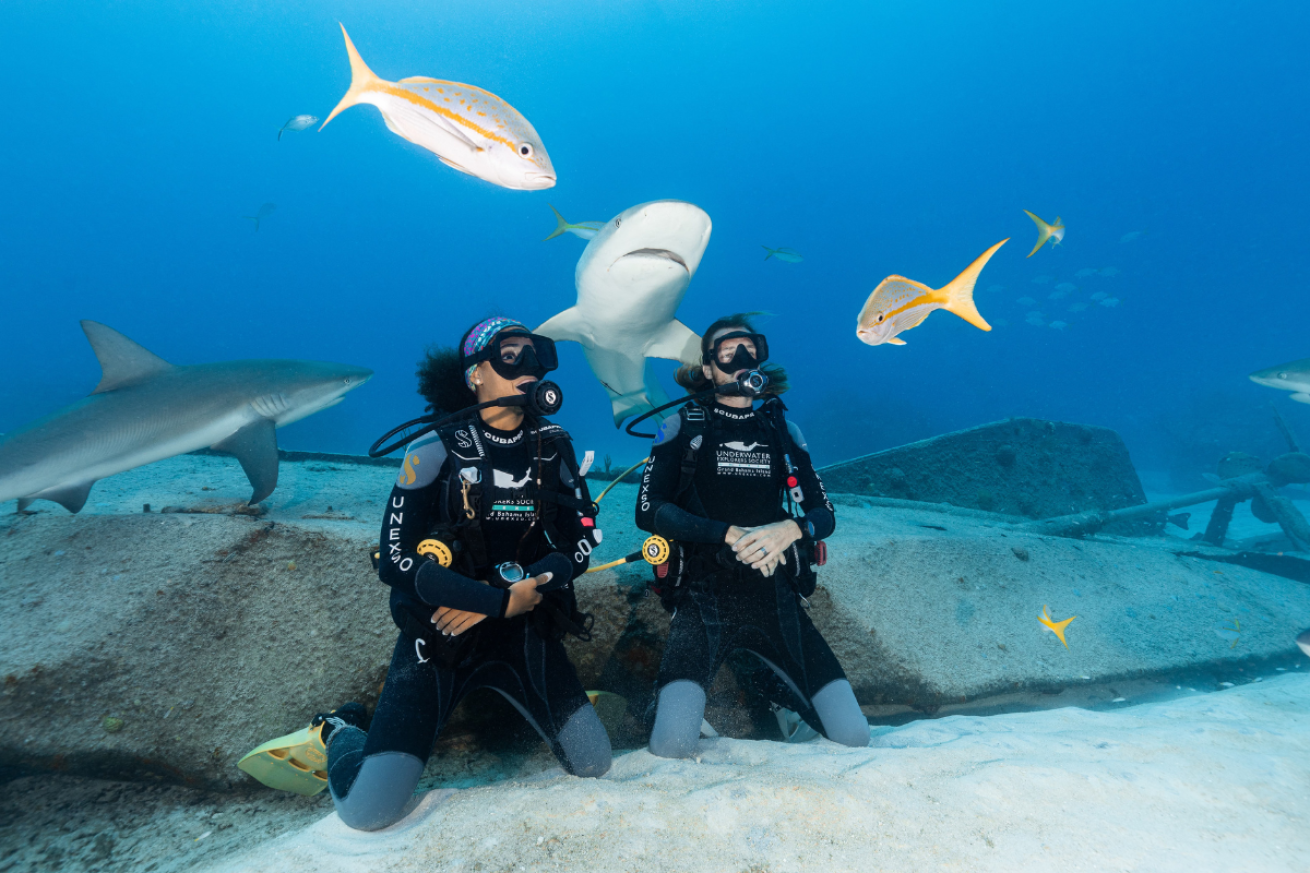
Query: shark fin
[122, 362]
[769, 250]
[562, 226]
[70, 497]
[958, 295]
[567, 326]
[255, 446]
[1043, 232]
[361, 79]
[677, 342]
[1300, 397]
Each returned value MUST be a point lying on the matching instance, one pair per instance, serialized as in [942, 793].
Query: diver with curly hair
[485, 530]
[722, 475]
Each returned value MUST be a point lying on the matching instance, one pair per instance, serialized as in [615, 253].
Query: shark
[145, 409]
[1294, 377]
[630, 280]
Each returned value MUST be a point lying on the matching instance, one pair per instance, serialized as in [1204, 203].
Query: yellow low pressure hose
[635, 556]
[619, 478]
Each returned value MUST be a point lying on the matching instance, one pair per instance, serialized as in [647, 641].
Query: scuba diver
[486, 528]
[718, 477]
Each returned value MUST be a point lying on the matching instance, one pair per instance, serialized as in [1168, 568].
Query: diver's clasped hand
[523, 597]
[765, 547]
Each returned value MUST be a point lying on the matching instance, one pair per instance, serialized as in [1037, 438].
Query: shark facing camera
[538, 399]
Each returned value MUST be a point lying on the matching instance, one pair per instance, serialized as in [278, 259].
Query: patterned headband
[482, 334]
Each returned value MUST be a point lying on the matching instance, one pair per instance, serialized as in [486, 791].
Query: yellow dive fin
[296, 762]
[957, 297]
[562, 226]
[361, 79]
[1043, 231]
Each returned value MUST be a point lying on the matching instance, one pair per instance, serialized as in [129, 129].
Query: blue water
[872, 138]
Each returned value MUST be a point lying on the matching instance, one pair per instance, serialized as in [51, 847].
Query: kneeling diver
[485, 530]
[720, 475]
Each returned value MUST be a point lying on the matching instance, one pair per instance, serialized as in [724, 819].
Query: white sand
[1206, 782]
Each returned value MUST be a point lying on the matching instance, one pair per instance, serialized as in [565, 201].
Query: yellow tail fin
[563, 225]
[958, 295]
[361, 77]
[1043, 232]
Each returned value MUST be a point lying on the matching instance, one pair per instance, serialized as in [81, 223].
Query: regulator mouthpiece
[749, 384]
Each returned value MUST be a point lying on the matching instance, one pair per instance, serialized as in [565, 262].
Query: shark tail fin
[958, 295]
[1043, 232]
[253, 218]
[279, 132]
[769, 250]
[561, 225]
[361, 79]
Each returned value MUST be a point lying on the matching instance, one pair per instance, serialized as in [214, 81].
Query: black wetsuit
[373, 776]
[740, 477]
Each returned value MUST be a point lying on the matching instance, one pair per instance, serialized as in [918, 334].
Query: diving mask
[517, 353]
[742, 358]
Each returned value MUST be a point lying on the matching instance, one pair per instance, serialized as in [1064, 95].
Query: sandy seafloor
[1139, 776]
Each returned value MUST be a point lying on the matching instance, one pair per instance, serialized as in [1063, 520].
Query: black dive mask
[515, 360]
[741, 358]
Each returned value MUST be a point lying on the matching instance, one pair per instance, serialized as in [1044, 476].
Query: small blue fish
[300, 122]
[264, 212]
[791, 256]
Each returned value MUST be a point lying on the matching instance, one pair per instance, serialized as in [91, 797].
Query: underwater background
[872, 138]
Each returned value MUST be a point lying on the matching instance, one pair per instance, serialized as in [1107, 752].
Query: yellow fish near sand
[1046, 231]
[898, 303]
[469, 129]
[1055, 627]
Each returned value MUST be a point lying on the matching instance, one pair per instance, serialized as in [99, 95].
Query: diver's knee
[585, 743]
[381, 793]
[843, 722]
[678, 716]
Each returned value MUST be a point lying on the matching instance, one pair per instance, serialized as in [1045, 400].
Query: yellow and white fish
[467, 128]
[1046, 231]
[898, 303]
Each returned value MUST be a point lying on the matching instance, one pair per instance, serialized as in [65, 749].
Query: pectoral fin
[567, 326]
[896, 341]
[677, 342]
[255, 446]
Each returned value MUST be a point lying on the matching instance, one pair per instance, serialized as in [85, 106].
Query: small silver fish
[1110, 302]
[264, 212]
[791, 256]
[1066, 287]
[1077, 307]
[300, 122]
[1110, 272]
[1041, 280]
[1059, 325]
[1057, 295]
[1026, 301]
[1085, 272]
[1100, 295]
[1132, 236]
